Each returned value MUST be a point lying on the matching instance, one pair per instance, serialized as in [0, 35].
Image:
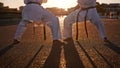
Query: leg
[53, 22]
[68, 22]
[55, 28]
[98, 23]
[20, 29]
[67, 28]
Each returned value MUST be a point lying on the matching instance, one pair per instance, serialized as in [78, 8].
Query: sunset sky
[52, 3]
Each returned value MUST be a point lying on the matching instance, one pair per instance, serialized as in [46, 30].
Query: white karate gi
[91, 15]
[36, 13]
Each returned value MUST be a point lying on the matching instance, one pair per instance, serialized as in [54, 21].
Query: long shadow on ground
[113, 46]
[71, 55]
[53, 60]
[3, 51]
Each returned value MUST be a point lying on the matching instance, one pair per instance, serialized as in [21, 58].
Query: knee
[23, 23]
[99, 22]
[67, 22]
[55, 21]
[96, 20]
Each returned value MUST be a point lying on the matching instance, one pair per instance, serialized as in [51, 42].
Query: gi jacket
[86, 3]
[37, 1]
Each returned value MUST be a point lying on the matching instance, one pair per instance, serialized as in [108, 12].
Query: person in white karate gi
[34, 12]
[87, 9]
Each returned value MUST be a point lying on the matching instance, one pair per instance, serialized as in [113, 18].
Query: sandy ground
[35, 52]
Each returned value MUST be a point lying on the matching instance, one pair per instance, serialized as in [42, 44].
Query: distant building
[1, 4]
[9, 15]
[112, 10]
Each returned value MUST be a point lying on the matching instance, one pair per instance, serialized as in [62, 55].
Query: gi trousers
[92, 15]
[36, 13]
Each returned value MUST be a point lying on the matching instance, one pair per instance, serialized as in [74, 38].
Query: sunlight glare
[61, 3]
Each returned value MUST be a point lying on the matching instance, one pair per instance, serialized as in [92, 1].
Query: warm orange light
[60, 3]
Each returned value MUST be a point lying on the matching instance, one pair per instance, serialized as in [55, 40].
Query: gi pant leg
[95, 19]
[53, 22]
[91, 15]
[20, 29]
[68, 22]
[37, 13]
